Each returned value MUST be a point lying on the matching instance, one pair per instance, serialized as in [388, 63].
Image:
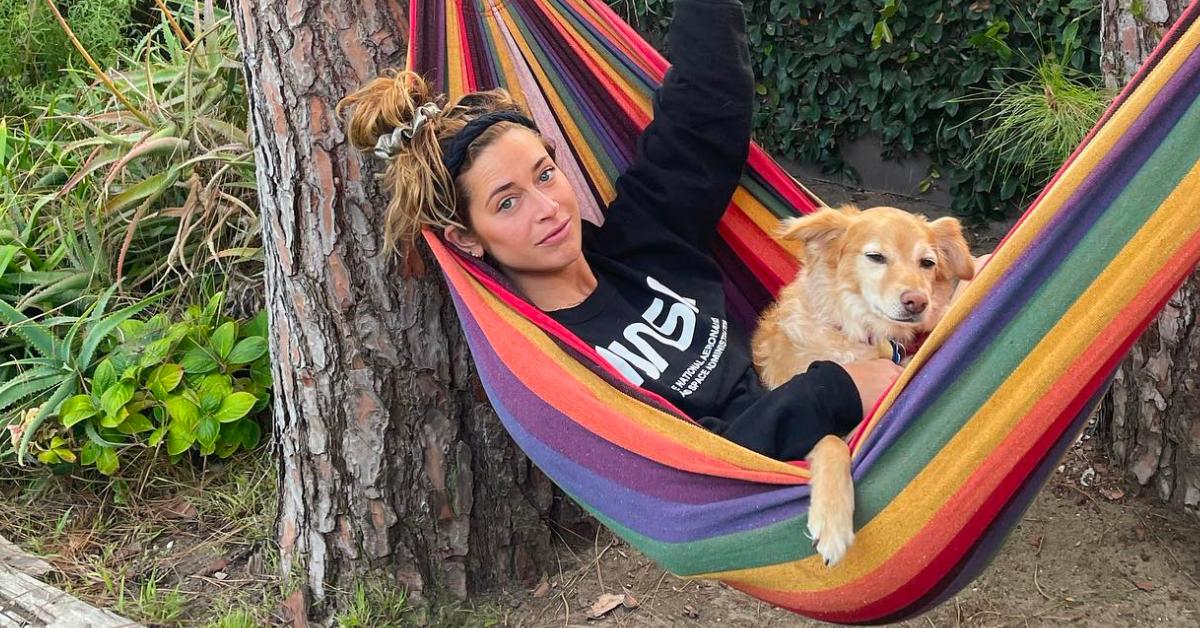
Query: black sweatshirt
[658, 311]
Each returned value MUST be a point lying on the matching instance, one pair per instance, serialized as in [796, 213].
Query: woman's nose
[547, 206]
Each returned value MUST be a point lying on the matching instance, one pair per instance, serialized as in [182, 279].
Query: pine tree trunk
[1152, 426]
[391, 460]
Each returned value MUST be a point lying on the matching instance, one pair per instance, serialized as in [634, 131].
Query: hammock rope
[952, 456]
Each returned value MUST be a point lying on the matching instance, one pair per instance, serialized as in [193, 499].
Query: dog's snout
[914, 302]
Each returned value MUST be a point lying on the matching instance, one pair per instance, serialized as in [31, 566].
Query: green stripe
[590, 138]
[786, 540]
[969, 390]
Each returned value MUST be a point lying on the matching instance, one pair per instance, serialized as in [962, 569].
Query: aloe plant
[60, 363]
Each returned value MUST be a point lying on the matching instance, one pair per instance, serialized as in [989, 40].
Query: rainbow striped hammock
[952, 456]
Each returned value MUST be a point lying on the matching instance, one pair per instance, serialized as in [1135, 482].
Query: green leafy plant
[60, 365]
[195, 384]
[833, 71]
[1032, 126]
[34, 50]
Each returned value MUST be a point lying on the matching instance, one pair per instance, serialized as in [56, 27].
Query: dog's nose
[914, 302]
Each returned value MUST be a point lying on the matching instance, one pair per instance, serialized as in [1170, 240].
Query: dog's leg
[831, 509]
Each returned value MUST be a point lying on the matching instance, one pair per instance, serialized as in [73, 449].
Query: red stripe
[1171, 276]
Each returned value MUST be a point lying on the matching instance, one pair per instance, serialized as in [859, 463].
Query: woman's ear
[466, 241]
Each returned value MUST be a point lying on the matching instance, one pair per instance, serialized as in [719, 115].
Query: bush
[194, 384]
[831, 71]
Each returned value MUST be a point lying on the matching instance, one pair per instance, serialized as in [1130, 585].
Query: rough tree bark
[1152, 424]
[391, 459]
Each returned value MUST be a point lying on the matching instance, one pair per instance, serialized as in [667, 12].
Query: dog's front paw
[831, 527]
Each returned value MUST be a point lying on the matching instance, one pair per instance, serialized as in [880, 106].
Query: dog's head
[884, 262]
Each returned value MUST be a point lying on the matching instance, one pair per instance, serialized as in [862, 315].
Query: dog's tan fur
[858, 270]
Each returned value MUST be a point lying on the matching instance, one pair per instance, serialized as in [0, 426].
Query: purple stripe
[655, 500]
[1044, 256]
[980, 556]
[559, 432]
[595, 105]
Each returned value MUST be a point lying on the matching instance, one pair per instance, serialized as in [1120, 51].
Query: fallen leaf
[179, 508]
[1140, 532]
[213, 567]
[690, 611]
[606, 603]
[542, 589]
[1145, 586]
[1112, 494]
[630, 602]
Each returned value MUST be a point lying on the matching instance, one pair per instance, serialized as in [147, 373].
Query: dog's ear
[956, 260]
[816, 230]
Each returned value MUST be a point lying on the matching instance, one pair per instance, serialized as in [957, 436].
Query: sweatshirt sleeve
[786, 423]
[690, 157]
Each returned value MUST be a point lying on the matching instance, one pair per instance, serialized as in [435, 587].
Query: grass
[166, 547]
[149, 547]
[1032, 126]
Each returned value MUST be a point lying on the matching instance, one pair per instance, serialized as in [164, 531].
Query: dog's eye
[878, 258]
[928, 263]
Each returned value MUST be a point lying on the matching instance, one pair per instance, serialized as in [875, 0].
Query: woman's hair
[423, 192]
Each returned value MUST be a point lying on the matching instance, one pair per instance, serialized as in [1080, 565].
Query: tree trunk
[1152, 426]
[391, 460]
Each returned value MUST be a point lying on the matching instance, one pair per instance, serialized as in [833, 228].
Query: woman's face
[523, 211]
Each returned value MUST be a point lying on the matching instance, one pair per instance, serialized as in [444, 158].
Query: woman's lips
[556, 236]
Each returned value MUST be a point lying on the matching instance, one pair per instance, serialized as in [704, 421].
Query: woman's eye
[878, 258]
[546, 175]
[928, 263]
[507, 204]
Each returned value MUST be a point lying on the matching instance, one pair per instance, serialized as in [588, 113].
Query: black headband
[455, 152]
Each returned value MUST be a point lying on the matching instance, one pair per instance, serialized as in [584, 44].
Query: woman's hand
[872, 378]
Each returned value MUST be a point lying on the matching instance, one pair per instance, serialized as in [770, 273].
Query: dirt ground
[1085, 553]
[188, 547]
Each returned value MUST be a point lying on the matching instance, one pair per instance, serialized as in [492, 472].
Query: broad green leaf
[247, 351]
[115, 419]
[179, 440]
[223, 338]
[116, 397]
[235, 406]
[214, 388]
[106, 461]
[47, 457]
[104, 377]
[155, 352]
[164, 378]
[76, 409]
[156, 437]
[207, 432]
[136, 424]
[89, 453]
[251, 434]
[100, 329]
[198, 360]
[183, 413]
[66, 455]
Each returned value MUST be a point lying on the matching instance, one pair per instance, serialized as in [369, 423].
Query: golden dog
[871, 283]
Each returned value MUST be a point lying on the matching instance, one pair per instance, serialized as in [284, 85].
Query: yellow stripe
[456, 82]
[584, 152]
[1155, 244]
[665, 425]
[1051, 204]
[512, 79]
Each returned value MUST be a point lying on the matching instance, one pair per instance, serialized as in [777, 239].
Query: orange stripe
[962, 504]
[602, 409]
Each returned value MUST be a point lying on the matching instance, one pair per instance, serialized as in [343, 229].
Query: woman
[643, 289]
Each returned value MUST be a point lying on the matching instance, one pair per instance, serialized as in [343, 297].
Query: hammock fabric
[952, 456]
